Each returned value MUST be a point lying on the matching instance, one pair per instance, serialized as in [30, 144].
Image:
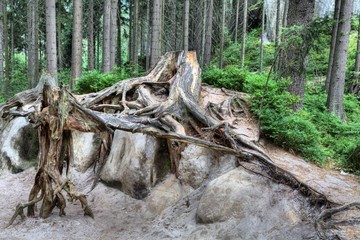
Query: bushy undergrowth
[313, 132]
[95, 81]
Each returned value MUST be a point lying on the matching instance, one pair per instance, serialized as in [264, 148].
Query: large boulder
[19, 146]
[135, 163]
[241, 195]
[86, 147]
[198, 164]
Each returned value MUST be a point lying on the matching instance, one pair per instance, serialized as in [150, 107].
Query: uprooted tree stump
[163, 104]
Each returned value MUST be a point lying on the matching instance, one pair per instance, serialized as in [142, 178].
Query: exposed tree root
[163, 104]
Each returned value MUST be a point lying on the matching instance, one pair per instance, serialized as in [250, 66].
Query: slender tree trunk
[293, 63]
[355, 86]
[173, 25]
[198, 28]
[106, 37]
[156, 34]
[31, 24]
[337, 80]
[262, 38]
[333, 43]
[59, 43]
[135, 40]
[186, 25]
[91, 49]
[1, 44]
[113, 35]
[37, 57]
[119, 45]
[209, 21]
[277, 25]
[131, 31]
[76, 53]
[148, 35]
[51, 38]
[284, 19]
[203, 37]
[222, 33]
[237, 20]
[98, 50]
[7, 57]
[244, 29]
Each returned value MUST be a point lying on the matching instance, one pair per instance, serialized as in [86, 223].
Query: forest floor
[118, 216]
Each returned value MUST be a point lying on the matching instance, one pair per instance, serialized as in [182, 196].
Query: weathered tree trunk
[333, 43]
[113, 35]
[51, 38]
[337, 80]
[208, 36]
[106, 37]
[222, 34]
[156, 34]
[91, 49]
[76, 52]
[244, 30]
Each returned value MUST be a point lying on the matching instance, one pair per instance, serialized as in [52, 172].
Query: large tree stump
[164, 103]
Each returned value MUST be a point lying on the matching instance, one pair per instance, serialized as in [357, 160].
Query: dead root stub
[164, 104]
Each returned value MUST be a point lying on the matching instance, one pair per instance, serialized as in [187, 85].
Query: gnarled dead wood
[164, 104]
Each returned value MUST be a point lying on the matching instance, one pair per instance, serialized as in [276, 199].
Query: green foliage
[231, 77]
[94, 81]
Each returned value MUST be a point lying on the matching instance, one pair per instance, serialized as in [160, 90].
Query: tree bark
[293, 63]
[76, 53]
[51, 38]
[262, 37]
[186, 25]
[337, 80]
[333, 43]
[1, 44]
[222, 33]
[113, 35]
[237, 20]
[59, 42]
[91, 49]
[106, 37]
[156, 34]
[119, 44]
[148, 36]
[7, 55]
[208, 36]
[31, 42]
[244, 30]
[135, 40]
[355, 86]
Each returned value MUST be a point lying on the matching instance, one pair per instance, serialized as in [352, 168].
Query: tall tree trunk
[76, 53]
[51, 38]
[244, 29]
[337, 80]
[262, 37]
[31, 24]
[186, 25]
[277, 24]
[148, 36]
[113, 35]
[7, 57]
[119, 45]
[222, 33]
[209, 22]
[135, 40]
[59, 42]
[333, 43]
[91, 49]
[198, 28]
[203, 37]
[355, 86]
[293, 63]
[237, 20]
[173, 25]
[156, 34]
[37, 57]
[1, 44]
[106, 37]
[98, 40]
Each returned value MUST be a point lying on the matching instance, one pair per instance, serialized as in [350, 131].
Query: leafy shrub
[231, 77]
